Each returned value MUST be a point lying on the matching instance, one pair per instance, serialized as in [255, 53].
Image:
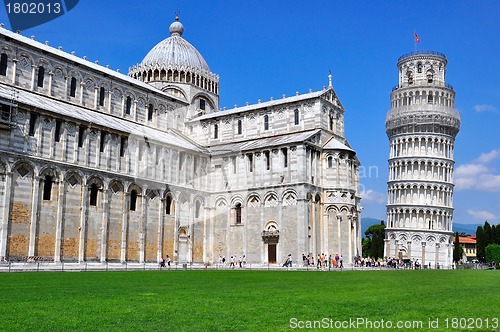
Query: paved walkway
[96, 266]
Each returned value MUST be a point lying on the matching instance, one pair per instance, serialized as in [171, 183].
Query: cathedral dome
[175, 51]
[174, 60]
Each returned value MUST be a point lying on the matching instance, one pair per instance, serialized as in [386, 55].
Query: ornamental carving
[58, 73]
[25, 62]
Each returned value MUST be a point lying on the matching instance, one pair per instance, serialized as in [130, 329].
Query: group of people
[322, 261]
[164, 261]
[234, 261]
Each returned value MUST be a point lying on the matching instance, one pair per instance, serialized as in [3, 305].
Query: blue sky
[264, 49]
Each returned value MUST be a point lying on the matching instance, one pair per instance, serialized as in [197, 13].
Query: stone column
[33, 71]
[339, 235]
[96, 93]
[83, 223]
[34, 215]
[396, 248]
[51, 77]
[125, 215]
[436, 254]
[142, 232]
[104, 225]
[160, 229]
[387, 247]
[409, 249]
[81, 92]
[14, 70]
[6, 215]
[423, 253]
[59, 219]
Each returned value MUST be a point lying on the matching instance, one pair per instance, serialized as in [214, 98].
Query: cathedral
[98, 166]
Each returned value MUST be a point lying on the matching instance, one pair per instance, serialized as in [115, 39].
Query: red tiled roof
[466, 240]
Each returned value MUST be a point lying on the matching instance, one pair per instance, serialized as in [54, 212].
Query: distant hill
[466, 228]
[461, 228]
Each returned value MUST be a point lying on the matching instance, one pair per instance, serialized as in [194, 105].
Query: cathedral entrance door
[271, 253]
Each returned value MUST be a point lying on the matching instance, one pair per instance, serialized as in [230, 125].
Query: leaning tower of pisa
[421, 125]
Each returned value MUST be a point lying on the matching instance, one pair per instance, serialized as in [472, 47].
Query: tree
[480, 247]
[458, 251]
[487, 234]
[493, 253]
[375, 235]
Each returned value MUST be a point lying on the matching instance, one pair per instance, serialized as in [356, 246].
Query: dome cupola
[175, 60]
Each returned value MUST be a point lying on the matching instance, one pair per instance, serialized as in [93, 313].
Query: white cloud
[485, 108]
[470, 170]
[373, 196]
[488, 157]
[481, 215]
[477, 175]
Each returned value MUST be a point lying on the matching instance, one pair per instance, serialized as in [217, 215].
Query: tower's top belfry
[422, 101]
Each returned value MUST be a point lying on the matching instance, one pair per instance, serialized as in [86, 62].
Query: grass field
[246, 300]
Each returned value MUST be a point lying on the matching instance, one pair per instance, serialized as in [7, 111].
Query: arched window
[133, 200]
[169, 205]
[128, 105]
[93, 194]
[72, 87]
[419, 67]
[47, 188]
[237, 210]
[430, 77]
[331, 122]
[3, 64]
[102, 92]
[240, 127]
[266, 122]
[330, 162]
[410, 77]
[296, 116]
[41, 76]
[216, 131]
[150, 112]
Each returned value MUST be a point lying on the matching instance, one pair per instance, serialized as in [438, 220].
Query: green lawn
[245, 300]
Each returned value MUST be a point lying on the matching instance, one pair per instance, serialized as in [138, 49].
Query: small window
[128, 105]
[133, 200]
[237, 210]
[330, 162]
[266, 122]
[103, 141]
[267, 157]
[169, 205]
[296, 117]
[81, 136]
[102, 93]
[41, 76]
[123, 146]
[331, 122]
[57, 132]
[202, 104]
[419, 67]
[429, 99]
[150, 112]
[32, 125]
[93, 194]
[284, 151]
[216, 131]
[250, 162]
[430, 77]
[240, 127]
[72, 87]
[47, 188]
[3, 64]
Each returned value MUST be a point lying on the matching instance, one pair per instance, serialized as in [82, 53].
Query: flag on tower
[416, 37]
